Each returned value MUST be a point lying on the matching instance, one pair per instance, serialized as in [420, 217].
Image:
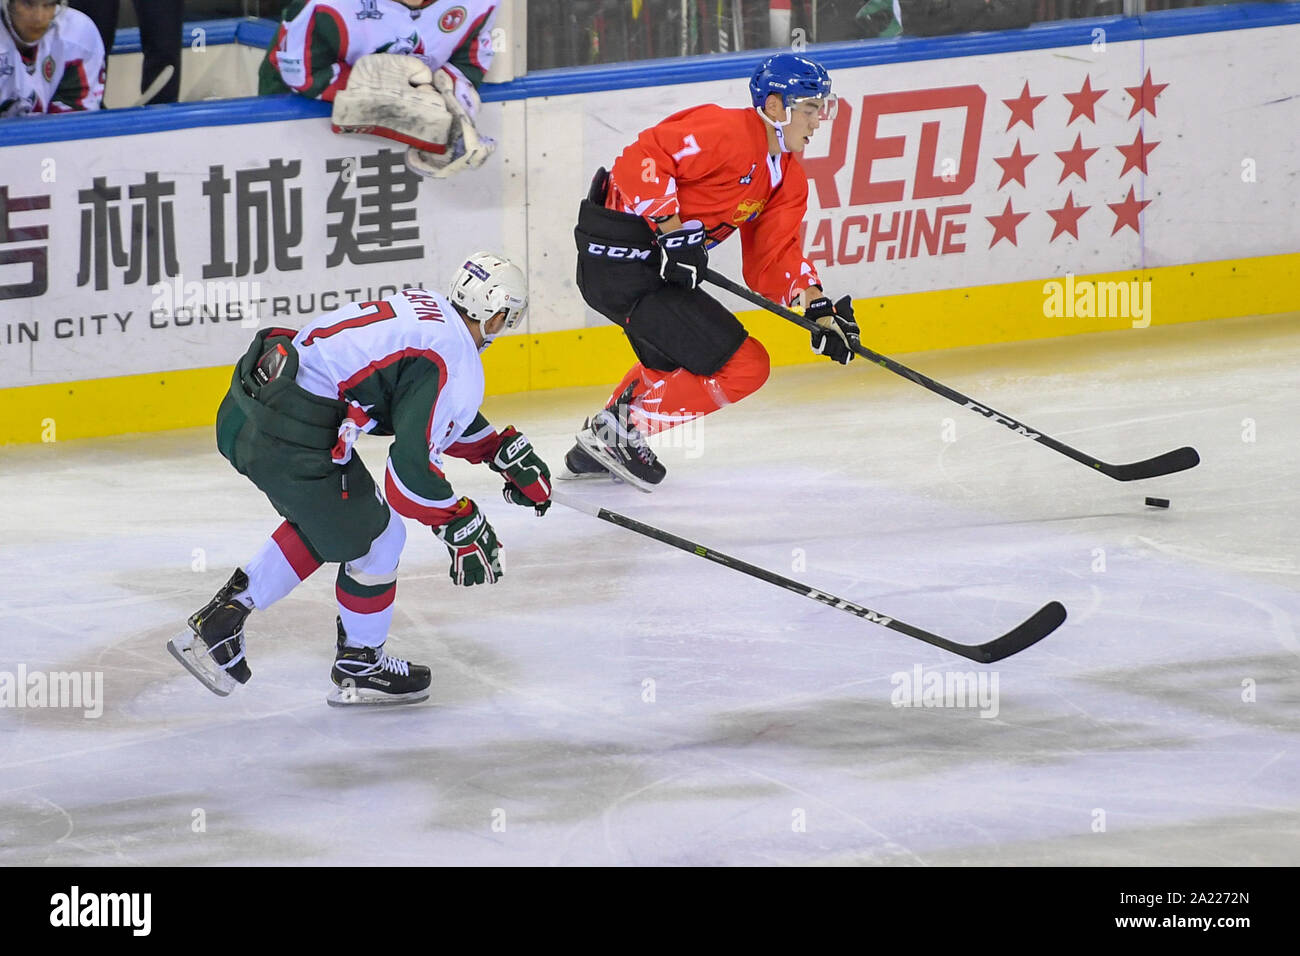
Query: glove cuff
[510, 449]
[465, 508]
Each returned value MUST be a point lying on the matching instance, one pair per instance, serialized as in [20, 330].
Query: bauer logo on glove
[476, 554]
[528, 479]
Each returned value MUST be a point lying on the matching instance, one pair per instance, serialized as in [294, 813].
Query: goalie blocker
[431, 111]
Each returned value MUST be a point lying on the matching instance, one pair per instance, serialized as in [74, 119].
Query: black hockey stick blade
[1045, 620]
[1180, 459]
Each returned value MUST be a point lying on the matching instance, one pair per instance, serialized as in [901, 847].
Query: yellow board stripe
[898, 324]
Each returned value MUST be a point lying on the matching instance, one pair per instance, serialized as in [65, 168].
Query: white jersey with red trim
[408, 366]
[63, 72]
[357, 28]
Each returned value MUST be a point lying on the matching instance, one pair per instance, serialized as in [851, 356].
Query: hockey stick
[1180, 459]
[159, 81]
[1043, 622]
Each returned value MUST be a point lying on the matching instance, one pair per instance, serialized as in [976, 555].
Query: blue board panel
[268, 109]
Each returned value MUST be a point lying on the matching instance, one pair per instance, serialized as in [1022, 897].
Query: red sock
[666, 399]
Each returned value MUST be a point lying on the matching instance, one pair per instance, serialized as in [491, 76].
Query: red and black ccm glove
[528, 480]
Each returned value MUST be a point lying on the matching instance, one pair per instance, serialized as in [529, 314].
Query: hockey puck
[1158, 502]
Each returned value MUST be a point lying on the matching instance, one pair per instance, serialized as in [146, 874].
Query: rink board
[595, 356]
[947, 196]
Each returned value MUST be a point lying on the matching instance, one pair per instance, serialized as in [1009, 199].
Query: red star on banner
[1135, 156]
[1005, 223]
[1126, 212]
[1067, 217]
[1022, 108]
[1013, 166]
[1144, 96]
[1075, 159]
[1084, 102]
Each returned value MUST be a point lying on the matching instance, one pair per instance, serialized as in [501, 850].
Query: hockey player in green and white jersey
[51, 59]
[408, 70]
[406, 366]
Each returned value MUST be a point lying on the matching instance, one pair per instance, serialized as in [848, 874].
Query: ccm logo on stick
[617, 252]
[1014, 426]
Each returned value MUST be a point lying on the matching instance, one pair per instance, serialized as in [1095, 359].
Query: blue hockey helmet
[791, 77]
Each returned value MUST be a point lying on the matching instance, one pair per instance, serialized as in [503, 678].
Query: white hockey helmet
[487, 284]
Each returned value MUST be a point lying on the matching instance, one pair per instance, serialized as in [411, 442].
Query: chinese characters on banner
[128, 229]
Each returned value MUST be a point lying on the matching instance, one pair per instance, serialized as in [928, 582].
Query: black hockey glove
[683, 256]
[836, 325]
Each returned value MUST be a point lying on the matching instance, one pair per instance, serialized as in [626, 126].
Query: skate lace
[394, 665]
[637, 443]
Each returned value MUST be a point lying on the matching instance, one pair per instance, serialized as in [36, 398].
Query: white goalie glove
[394, 96]
[468, 149]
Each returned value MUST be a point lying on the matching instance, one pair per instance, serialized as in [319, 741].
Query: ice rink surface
[614, 701]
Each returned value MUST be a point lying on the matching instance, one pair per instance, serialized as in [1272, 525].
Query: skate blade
[564, 474]
[354, 697]
[615, 467]
[201, 664]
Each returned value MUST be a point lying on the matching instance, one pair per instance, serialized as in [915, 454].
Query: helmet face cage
[8, 11]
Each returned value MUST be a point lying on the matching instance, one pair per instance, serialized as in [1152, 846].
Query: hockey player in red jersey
[643, 236]
[406, 366]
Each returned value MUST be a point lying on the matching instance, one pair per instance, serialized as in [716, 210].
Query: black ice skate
[615, 444]
[578, 464]
[366, 675]
[213, 647]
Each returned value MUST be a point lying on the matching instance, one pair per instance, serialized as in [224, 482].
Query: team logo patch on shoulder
[6, 67]
[370, 10]
[450, 21]
[748, 209]
[47, 68]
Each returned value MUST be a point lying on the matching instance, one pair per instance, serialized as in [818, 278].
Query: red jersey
[712, 164]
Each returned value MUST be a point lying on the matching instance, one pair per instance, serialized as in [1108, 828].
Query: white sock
[270, 576]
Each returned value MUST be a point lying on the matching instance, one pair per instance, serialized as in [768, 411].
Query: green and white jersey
[318, 41]
[62, 72]
[409, 367]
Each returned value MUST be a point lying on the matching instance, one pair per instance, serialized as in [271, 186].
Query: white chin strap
[779, 127]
